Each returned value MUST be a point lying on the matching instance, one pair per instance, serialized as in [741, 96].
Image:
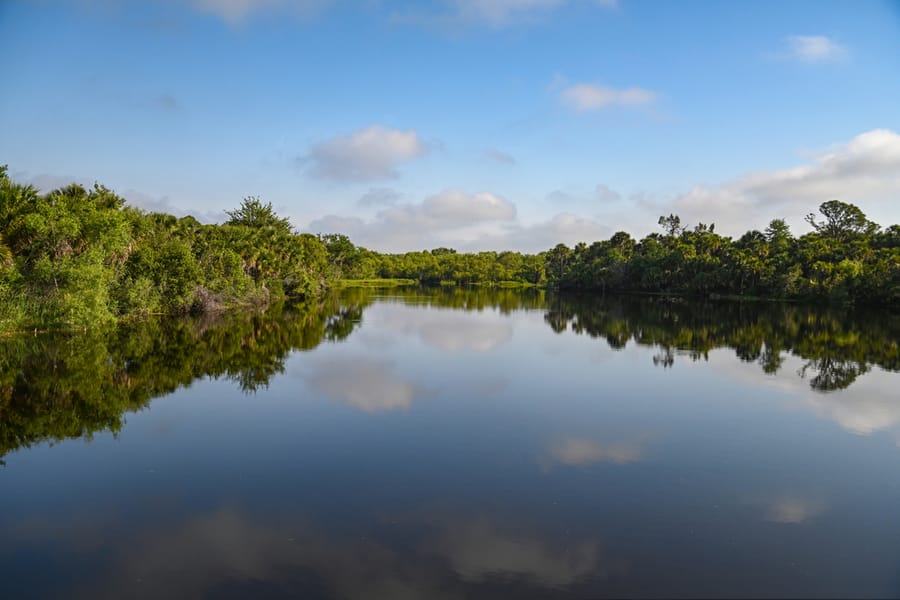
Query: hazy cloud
[586, 97]
[379, 197]
[491, 13]
[166, 102]
[477, 550]
[815, 49]
[431, 223]
[563, 228]
[235, 12]
[365, 154]
[866, 169]
[572, 451]
[793, 509]
[498, 156]
[606, 195]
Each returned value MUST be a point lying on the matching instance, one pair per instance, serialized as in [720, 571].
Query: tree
[671, 225]
[842, 221]
[253, 213]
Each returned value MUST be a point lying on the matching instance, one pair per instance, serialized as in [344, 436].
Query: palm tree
[6, 255]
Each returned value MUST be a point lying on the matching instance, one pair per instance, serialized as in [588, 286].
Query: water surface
[457, 444]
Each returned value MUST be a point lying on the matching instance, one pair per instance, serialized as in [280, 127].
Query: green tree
[842, 221]
[253, 213]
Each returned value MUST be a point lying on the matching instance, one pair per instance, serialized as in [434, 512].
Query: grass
[373, 283]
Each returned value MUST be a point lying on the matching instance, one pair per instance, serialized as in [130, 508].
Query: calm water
[456, 444]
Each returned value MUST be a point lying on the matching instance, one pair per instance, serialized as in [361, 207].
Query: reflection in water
[838, 347]
[581, 451]
[65, 386]
[479, 552]
[57, 387]
[794, 509]
[526, 473]
[363, 383]
[230, 552]
[450, 331]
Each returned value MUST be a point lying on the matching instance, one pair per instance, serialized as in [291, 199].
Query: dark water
[456, 444]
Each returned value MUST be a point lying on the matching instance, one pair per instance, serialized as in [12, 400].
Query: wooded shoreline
[78, 258]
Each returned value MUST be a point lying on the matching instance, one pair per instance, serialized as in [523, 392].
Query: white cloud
[434, 221]
[866, 169]
[815, 49]
[563, 228]
[458, 208]
[235, 12]
[586, 96]
[365, 154]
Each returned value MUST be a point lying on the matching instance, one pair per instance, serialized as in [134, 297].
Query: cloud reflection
[576, 451]
[229, 552]
[450, 331]
[794, 509]
[478, 551]
[363, 383]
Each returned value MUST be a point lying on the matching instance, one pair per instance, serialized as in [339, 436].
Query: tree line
[78, 257]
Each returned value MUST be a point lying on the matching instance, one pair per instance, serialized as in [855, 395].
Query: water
[457, 444]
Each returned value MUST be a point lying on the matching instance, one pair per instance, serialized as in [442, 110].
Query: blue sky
[479, 124]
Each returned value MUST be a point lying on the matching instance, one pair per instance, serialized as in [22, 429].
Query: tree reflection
[838, 347]
[68, 386]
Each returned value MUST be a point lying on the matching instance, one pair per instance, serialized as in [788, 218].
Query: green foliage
[253, 213]
[76, 258]
[59, 386]
[842, 221]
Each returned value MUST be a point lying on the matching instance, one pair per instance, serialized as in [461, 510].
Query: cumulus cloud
[587, 97]
[366, 154]
[434, 221]
[815, 49]
[235, 12]
[865, 169]
[363, 383]
[563, 228]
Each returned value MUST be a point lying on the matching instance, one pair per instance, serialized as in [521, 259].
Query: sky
[476, 124]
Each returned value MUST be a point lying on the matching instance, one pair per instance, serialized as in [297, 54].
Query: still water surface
[457, 444]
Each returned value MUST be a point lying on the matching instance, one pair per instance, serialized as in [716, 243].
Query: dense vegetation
[70, 385]
[846, 259]
[76, 257]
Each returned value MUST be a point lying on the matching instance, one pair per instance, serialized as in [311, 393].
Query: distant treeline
[79, 257]
[845, 259]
